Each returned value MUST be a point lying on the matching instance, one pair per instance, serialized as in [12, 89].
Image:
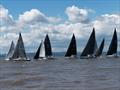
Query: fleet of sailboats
[44, 50]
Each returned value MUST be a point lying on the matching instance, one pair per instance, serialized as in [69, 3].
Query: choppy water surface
[61, 74]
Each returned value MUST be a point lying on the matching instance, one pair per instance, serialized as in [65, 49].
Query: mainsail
[72, 49]
[100, 49]
[37, 53]
[113, 45]
[48, 49]
[19, 51]
[90, 46]
[11, 50]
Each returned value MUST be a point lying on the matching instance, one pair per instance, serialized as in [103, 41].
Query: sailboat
[72, 49]
[44, 51]
[40, 54]
[19, 53]
[90, 47]
[100, 49]
[112, 51]
[10, 52]
[48, 49]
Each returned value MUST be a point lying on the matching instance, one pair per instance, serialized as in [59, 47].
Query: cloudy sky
[59, 19]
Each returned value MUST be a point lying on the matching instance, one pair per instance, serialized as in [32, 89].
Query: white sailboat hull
[7, 59]
[44, 58]
[113, 55]
[72, 56]
[87, 57]
[21, 59]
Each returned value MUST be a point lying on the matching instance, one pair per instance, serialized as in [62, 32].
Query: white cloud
[5, 17]
[54, 19]
[76, 14]
[32, 16]
[105, 24]
[35, 16]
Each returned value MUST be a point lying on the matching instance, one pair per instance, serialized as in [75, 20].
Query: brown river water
[61, 74]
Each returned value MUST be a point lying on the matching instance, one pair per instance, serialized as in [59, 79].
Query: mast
[90, 46]
[19, 51]
[48, 49]
[100, 49]
[72, 49]
[113, 45]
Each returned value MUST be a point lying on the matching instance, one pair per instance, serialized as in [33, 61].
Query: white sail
[42, 50]
[10, 52]
[95, 48]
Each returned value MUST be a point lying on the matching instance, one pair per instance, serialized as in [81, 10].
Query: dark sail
[90, 46]
[100, 49]
[11, 50]
[48, 50]
[37, 53]
[113, 45]
[72, 49]
[19, 49]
